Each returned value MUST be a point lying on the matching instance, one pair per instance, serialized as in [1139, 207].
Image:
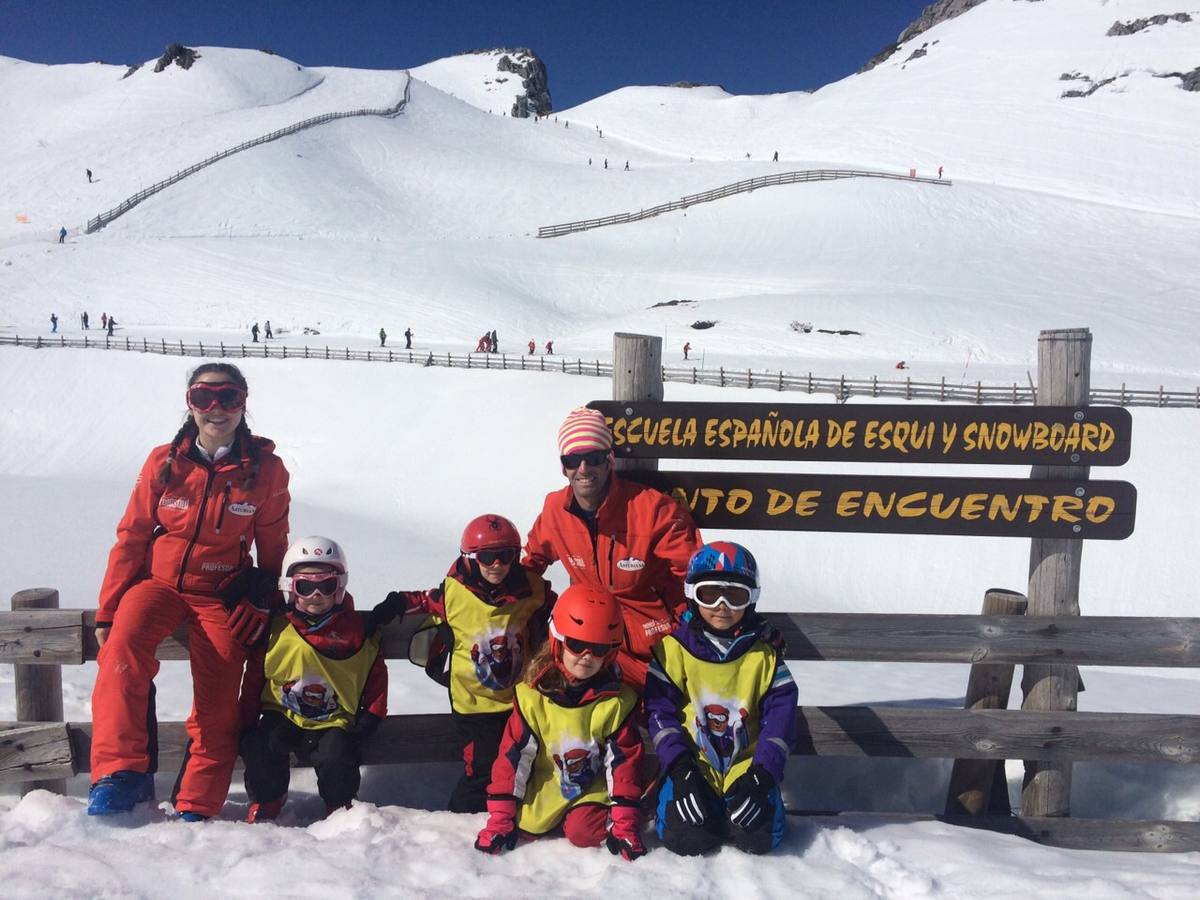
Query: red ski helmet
[489, 532]
[586, 614]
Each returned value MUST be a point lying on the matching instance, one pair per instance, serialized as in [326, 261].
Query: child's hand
[500, 832]
[624, 837]
[691, 792]
[749, 797]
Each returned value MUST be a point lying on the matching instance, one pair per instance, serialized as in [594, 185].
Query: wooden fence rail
[840, 387]
[728, 190]
[95, 224]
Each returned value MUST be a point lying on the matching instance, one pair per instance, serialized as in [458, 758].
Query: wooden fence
[729, 190]
[129, 203]
[841, 387]
[40, 641]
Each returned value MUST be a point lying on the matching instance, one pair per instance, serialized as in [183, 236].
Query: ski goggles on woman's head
[305, 584]
[578, 647]
[491, 557]
[592, 458]
[204, 396]
[711, 594]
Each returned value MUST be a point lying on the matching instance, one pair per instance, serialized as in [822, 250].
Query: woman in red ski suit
[197, 506]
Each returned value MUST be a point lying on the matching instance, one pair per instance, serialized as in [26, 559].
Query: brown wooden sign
[924, 433]
[1002, 507]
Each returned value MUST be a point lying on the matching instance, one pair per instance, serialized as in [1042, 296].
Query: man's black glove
[748, 798]
[249, 596]
[691, 792]
[365, 725]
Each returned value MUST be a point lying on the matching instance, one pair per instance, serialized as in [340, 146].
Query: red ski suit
[175, 545]
[637, 548]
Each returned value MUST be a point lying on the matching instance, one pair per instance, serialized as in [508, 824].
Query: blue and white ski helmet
[722, 561]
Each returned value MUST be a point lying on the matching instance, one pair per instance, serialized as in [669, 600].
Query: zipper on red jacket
[225, 503]
[199, 523]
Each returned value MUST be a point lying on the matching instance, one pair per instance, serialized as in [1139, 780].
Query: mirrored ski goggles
[491, 557]
[305, 584]
[593, 458]
[578, 647]
[207, 396]
[711, 594]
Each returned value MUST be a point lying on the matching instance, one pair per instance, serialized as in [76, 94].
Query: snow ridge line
[841, 387]
[728, 190]
[104, 218]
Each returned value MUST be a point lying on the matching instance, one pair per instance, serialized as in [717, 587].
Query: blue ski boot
[120, 792]
[188, 816]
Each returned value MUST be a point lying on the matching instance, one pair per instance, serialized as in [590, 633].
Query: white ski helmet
[310, 550]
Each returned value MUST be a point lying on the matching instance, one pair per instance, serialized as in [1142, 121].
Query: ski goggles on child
[711, 594]
[207, 396]
[578, 647]
[593, 458]
[305, 584]
[491, 557]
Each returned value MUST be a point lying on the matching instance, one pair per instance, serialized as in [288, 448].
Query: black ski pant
[332, 751]
[481, 734]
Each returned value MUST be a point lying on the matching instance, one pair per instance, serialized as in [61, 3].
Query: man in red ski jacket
[618, 536]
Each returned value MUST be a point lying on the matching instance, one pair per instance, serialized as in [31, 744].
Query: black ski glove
[748, 798]
[691, 792]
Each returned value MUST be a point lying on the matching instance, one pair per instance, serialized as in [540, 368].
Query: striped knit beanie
[584, 430]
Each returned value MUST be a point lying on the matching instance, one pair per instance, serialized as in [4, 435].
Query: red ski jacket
[638, 551]
[195, 531]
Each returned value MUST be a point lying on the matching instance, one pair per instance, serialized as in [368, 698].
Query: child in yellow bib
[316, 687]
[722, 712]
[571, 752]
[493, 613]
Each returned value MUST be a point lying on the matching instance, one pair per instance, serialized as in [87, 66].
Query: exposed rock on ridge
[1122, 28]
[525, 64]
[931, 15]
[180, 55]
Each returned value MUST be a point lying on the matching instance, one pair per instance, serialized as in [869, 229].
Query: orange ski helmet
[586, 614]
[489, 532]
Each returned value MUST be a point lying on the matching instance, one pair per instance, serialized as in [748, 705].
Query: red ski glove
[624, 837]
[500, 832]
[247, 622]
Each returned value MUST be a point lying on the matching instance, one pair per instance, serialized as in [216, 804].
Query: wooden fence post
[637, 376]
[1064, 379]
[979, 785]
[39, 687]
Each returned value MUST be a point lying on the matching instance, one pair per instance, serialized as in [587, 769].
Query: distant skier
[549, 348]
[495, 342]
[103, 320]
[83, 320]
[626, 165]
[112, 323]
[532, 346]
[407, 338]
[902, 365]
[485, 343]
[254, 332]
[53, 323]
[687, 347]
[267, 330]
[606, 162]
[939, 172]
[62, 235]
[775, 158]
[89, 175]
[382, 337]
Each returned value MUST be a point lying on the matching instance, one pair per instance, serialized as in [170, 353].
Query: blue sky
[589, 48]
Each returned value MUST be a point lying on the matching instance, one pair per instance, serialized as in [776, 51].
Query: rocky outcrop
[526, 65]
[934, 13]
[182, 56]
[1133, 27]
[129, 70]
[1191, 81]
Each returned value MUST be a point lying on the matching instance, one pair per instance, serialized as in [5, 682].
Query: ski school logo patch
[577, 561]
[174, 502]
[631, 564]
[242, 508]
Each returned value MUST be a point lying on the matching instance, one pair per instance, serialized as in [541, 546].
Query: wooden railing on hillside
[129, 203]
[840, 386]
[39, 641]
[729, 190]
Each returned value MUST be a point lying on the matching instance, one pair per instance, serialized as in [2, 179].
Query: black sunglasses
[306, 588]
[592, 458]
[491, 557]
[579, 647]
